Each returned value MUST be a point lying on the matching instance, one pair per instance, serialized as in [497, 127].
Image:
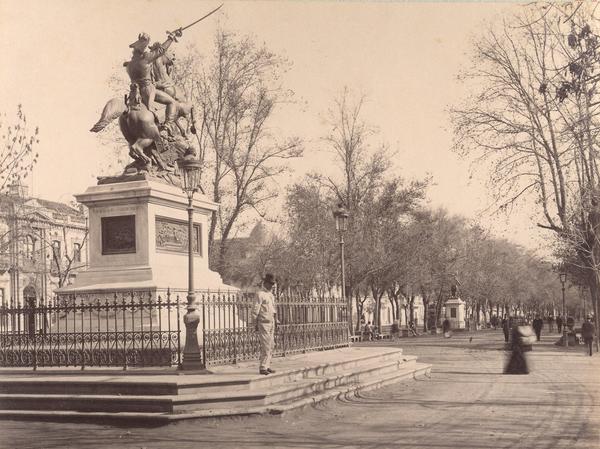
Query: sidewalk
[465, 403]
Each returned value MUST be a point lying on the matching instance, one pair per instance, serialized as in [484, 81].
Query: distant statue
[454, 287]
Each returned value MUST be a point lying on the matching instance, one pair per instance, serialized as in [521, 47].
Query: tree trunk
[438, 308]
[594, 292]
[425, 313]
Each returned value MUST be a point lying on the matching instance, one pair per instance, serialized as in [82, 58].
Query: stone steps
[183, 397]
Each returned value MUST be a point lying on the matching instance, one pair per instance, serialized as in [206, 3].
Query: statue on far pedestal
[454, 286]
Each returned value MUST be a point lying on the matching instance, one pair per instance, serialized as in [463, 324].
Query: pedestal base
[138, 239]
[455, 313]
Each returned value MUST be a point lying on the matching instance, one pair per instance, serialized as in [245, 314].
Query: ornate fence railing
[304, 324]
[119, 329]
[145, 329]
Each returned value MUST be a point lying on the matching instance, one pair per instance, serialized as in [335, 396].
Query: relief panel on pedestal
[172, 235]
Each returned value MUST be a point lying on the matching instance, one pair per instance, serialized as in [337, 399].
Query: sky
[403, 56]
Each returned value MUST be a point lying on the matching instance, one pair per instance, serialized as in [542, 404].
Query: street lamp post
[341, 225]
[190, 169]
[563, 279]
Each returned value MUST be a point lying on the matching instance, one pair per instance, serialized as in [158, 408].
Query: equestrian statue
[156, 139]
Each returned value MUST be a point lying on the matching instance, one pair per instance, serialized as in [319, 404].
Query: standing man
[537, 325]
[559, 324]
[264, 317]
[587, 333]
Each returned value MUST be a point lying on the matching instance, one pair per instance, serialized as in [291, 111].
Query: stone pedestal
[138, 239]
[455, 313]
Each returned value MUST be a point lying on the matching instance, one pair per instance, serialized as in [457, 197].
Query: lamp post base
[191, 363]
[192, 356]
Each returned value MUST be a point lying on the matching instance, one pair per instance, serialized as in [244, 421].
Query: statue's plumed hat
[142, 42]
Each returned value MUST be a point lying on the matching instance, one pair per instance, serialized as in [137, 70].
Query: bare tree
[534, 119]
[17, 155]
[237, 93]
[362, 167]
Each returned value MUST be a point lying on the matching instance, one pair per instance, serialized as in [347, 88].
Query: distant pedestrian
[587, 333]
[517, 364]
[264, 316]
[550, 323]
[395, 330]
[559, 324]
[375, 333]
[412, 329]
[505, 328]
[368, 331]
[446, 328]
[537, 325]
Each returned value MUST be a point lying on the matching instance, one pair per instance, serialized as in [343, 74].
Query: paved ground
[467, 403]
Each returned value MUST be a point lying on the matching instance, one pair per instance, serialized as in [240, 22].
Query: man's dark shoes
[264, 371]
[271, 371]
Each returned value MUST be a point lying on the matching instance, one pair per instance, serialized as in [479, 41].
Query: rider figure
[139, 69]
[162, 67]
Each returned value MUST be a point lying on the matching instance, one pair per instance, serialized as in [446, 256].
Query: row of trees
[533, 118]
[396, 248]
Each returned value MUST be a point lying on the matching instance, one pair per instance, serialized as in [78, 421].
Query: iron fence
[304, 324]
[118, 329]
[144, 329]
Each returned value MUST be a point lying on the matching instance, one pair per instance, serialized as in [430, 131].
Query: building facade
[42, 246]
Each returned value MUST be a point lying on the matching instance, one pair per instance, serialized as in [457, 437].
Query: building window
[56, 255]
[452, 312]
[76, 252]
[29, 247]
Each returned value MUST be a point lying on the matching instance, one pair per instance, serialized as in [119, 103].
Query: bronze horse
[140, 126]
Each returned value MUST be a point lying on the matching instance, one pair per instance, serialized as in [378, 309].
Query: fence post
[178, 327]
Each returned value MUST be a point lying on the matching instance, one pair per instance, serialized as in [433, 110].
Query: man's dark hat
[269, 278]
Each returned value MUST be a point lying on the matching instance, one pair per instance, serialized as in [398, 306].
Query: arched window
[29, 247]
[56, 255]
[76, 252]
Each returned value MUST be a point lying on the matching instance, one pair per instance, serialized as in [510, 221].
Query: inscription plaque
[172, 235]
[118, 234]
